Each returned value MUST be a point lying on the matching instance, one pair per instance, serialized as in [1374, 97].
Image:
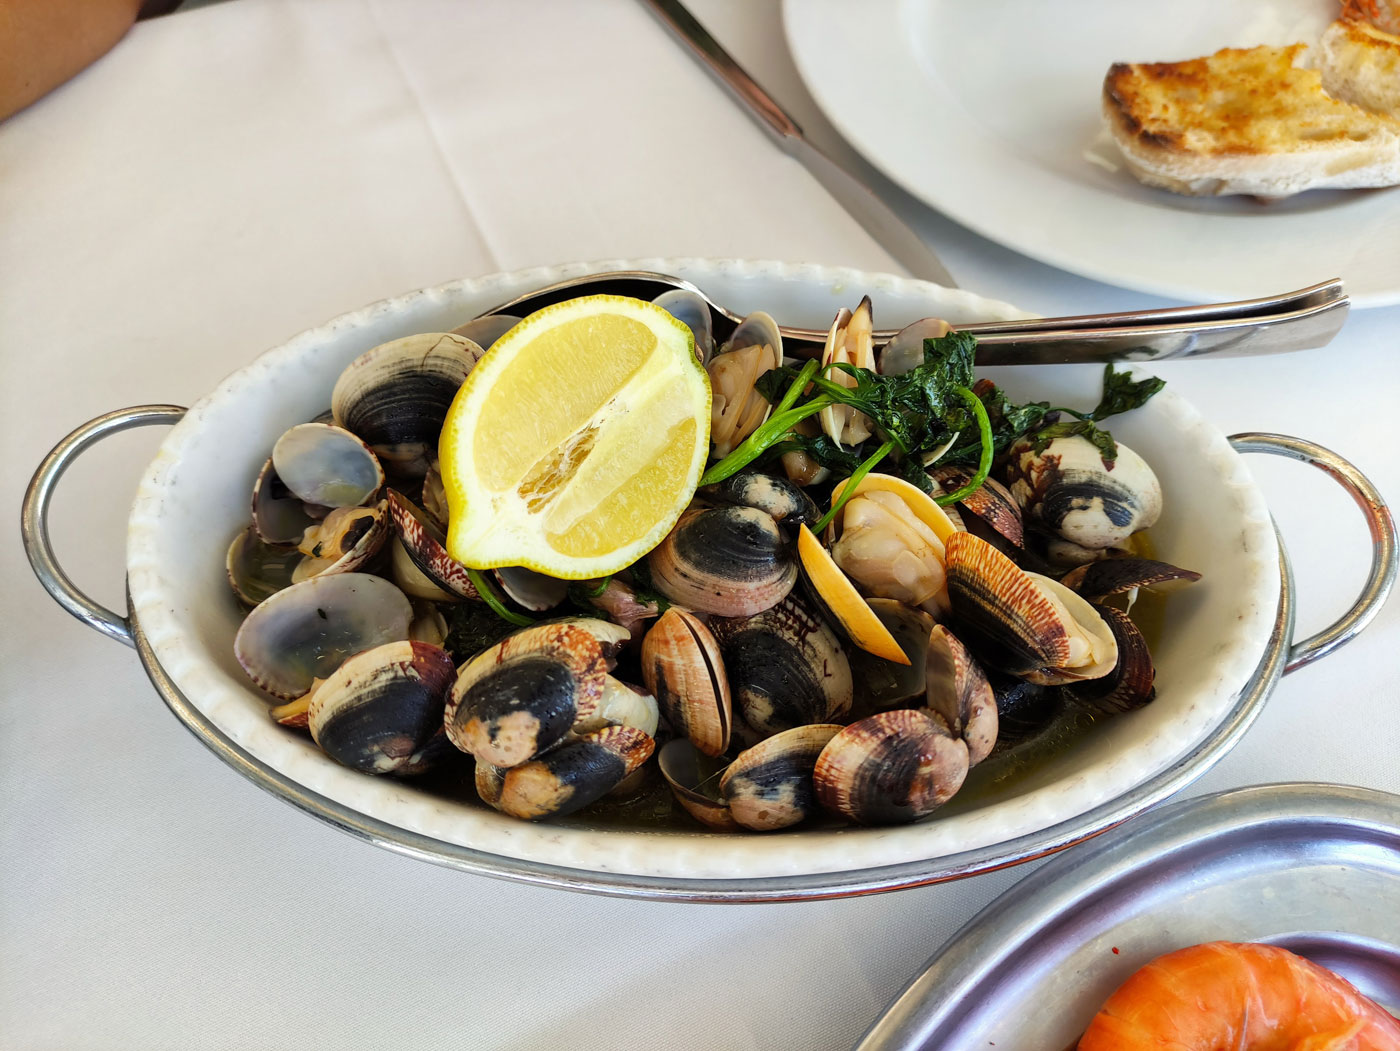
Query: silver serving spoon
[1298, 320]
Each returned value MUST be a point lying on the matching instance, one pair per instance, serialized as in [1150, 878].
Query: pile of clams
[778, 675]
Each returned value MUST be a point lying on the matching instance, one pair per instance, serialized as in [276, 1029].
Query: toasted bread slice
[1245, 120]
[1361, 64]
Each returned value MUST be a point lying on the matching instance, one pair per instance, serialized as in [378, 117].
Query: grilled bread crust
[1361, 65]
[1245, 120]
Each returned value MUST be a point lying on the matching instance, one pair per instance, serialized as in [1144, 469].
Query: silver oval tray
[1312, 867]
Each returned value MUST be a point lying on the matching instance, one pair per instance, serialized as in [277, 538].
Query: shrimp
[1224, 996]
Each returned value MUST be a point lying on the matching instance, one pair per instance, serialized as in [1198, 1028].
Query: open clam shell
[304, 632]
[1113, 576]
[769, 786]
[728, 561]
[258, 570]
[1130, 684]
[682, 667]
[890, 538]
[327, 465]
[1024, 623]
[905, 350]
[991, 505]
[755, 347]
[396, 396]
[531, 590]
[484, 331]
[881, 683]
[523, 695]
[687, 306]
[381, 706]
[424, 544]
[682, 768]
[344, 541]
[891, 768]
[279, 516]
[849, 342]
[622, 704]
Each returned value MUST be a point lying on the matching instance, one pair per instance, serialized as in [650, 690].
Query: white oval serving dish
[1222, 642]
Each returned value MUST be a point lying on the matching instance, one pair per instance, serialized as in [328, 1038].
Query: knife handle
[722, 64]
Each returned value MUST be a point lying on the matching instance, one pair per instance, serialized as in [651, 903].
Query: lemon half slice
[577, 440]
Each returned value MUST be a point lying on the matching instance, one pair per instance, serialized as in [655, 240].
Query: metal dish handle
[1378, 520]
[34, 516]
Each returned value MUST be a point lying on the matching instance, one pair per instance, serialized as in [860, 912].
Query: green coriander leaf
[1122, 393]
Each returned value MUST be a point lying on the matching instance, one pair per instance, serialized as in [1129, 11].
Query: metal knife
[853, 195]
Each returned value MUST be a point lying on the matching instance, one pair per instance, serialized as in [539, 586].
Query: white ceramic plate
[194, 498]
[989, 112]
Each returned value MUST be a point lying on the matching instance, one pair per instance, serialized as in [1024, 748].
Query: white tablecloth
[233, 174]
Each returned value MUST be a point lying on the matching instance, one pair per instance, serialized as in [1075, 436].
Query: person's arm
[45, 42]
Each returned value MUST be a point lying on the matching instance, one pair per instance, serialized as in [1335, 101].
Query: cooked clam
[769, 786]
[573, 775]
[257, 570]
[780, 499]
[959, 694]
[755, 347]
[279, 516]
[681, 766]
[428, 624]
[344, 541]
[396, 396]
[531, 590]
[622, 704]
[303, 632]
[524, 694]
[685, 305]
[682, 667]
[423, 543]
[991, 505]
[1024, 623]
[619, 601]
[327, 465]
[889, 539]
[729, 561]
[1130, 684]
[1068, 490]
[890, 768]
[382, 705]
[1113, 576]
[785, 667]
[905, 350]
[848, 343]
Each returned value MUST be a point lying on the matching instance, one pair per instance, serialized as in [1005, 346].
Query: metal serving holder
[1313, 868]
[1280, 656]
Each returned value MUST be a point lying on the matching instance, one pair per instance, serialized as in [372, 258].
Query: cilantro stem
[772, 430]
[849, 490]
[598, 588]
[984, 463]
[489, 596]
[797, 386]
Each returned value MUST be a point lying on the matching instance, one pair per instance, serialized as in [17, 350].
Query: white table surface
[233, 174]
